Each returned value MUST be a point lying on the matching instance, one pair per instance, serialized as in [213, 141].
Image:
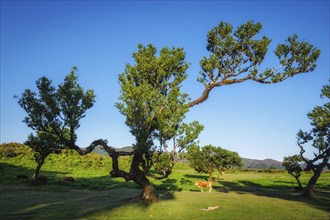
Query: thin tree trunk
[37, 172]
[299, 183]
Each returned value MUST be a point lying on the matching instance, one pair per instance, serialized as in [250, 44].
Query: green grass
[95, 195]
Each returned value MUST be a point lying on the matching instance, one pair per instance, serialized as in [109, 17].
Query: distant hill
[101, 151]
[247, 162]
[261, 164]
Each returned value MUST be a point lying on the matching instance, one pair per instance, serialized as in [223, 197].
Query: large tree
[154, 107]
[318, 138]
[54, 115]
[152, 101]
[210, 158]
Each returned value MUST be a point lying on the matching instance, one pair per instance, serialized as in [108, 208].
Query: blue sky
[257, 121]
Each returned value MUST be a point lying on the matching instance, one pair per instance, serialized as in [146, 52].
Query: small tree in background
[210, 158]
[293, 164]
[54, 114]
[319, 137]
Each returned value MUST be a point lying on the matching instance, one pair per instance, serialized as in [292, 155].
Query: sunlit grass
[96, 195]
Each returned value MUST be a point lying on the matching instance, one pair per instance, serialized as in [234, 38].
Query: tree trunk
[148, 193]
[309, 189]
[299, 183]
[37, 171]
[36, 174]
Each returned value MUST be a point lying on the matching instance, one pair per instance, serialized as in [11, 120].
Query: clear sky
[47, 38]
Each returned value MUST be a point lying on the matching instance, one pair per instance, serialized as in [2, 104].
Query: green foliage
[236, 56]
[296, 56]
[57, 111]
[162, 162]
[210, 158]
[229, 50]
[150, 94]
[43, 144]
[293, 164]
[154, 106]
[54, 114]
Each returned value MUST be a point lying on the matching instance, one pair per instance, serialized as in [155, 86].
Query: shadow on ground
[321, 200]
[87, 196]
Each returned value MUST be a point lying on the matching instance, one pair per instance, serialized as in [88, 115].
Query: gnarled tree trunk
[298, 182]
[148, 193]
[309, 192]
[135, 174]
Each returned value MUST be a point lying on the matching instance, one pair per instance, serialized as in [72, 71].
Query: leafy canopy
[151, 99]
[236, 56]
[293, 164]
[210, 158]
[154, 106]
[55, 113]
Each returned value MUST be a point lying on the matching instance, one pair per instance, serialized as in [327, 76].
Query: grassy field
[95, 195]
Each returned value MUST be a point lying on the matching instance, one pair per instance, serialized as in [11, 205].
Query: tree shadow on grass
[321, 200]
[168, 184]
[200, 177]
[86, 197]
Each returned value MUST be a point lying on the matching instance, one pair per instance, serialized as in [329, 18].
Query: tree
[293, 164]
[42, 144]
[319, 137]
[54, 114]
[236, 57]
[154, 107]
[210, 158]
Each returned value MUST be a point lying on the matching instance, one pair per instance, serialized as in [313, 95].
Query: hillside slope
[261, 164]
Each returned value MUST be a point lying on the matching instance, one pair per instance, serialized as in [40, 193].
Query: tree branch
[115, 172]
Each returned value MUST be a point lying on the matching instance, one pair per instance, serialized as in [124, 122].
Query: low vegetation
[95, 194]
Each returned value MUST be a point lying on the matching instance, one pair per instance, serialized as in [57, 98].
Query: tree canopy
[236, 56]
[293, 164]
[154, 107]
[54, 114]
[210, 158]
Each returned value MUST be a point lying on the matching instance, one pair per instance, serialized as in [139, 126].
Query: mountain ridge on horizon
[248, 162]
